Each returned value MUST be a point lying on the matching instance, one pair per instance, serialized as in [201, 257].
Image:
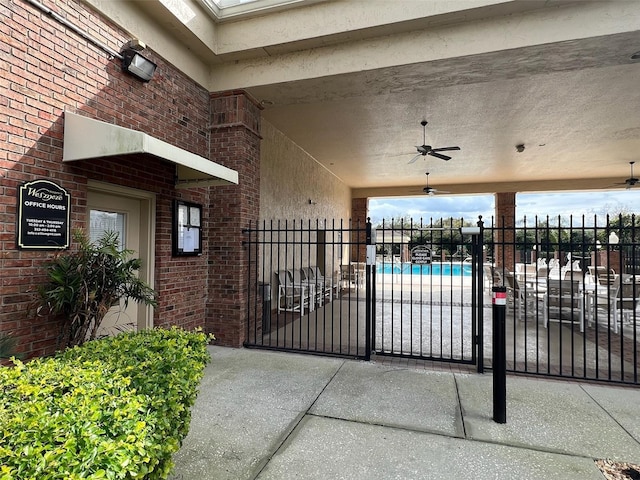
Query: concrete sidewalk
[270, 415]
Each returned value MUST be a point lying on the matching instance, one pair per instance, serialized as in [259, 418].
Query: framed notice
[187, 229]
[43, 216]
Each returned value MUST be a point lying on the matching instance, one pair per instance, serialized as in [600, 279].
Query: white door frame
[147, 231]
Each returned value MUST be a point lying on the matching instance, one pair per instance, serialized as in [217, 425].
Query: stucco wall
[289, 178]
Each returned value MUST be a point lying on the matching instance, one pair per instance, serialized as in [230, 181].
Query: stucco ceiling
[574, 105]
[349, 81]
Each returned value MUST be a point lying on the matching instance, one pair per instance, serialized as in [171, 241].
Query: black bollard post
[499, 355]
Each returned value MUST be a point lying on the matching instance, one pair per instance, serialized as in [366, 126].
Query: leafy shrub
[114, 408]
[84, 284]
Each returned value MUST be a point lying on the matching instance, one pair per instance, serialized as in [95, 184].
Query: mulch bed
[619, 470]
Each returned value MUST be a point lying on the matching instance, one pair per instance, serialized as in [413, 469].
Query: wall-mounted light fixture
[134, 63]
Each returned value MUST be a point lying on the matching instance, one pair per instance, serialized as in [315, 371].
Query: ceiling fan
[430, 190]
[424, 149]
[631, 181]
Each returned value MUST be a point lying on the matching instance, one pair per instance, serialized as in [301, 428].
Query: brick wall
[46, 68]
[505, 256]
[359, 210]
[235, 143]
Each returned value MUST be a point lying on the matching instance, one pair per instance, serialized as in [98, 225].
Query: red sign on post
[499, 298]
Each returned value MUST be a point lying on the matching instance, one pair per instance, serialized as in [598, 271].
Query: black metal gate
[429, 291]
[408, 290]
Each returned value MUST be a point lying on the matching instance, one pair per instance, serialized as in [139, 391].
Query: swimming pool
[435, 268]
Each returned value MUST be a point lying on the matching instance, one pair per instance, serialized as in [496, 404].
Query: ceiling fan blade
[415, 158]
[444, 149]
[437, 155]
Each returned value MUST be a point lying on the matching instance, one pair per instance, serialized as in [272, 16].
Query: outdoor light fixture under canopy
[134, 63]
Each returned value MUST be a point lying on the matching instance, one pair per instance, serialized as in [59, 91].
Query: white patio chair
[617, 302]
[523, 297]
[299, 278]
[564, 303]
[291, 297]
[327, 285]
[627, 303]
[349, 276]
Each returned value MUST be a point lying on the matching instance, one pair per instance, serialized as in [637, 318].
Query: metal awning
[86, 138]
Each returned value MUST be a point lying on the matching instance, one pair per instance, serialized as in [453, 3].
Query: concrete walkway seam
[636, 440]
[464, 428]
[291, 428]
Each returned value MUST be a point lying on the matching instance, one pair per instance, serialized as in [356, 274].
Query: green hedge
[113, 408]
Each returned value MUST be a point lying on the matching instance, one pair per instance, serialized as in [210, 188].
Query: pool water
[435, 268]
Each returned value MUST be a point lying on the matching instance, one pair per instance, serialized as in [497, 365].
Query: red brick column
[359, 211]
[505, 232]
[235, 143]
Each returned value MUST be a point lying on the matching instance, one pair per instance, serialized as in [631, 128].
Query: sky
[590, 203]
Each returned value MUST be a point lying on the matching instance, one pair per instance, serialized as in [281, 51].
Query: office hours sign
[43, 216]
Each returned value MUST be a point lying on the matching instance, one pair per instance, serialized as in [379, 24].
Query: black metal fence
[573, 288]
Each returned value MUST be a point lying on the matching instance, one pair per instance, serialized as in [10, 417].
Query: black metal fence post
[499, 355]
[370, 261]
[479, 258]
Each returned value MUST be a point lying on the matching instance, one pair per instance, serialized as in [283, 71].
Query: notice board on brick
[187, 229]
[43, 216]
